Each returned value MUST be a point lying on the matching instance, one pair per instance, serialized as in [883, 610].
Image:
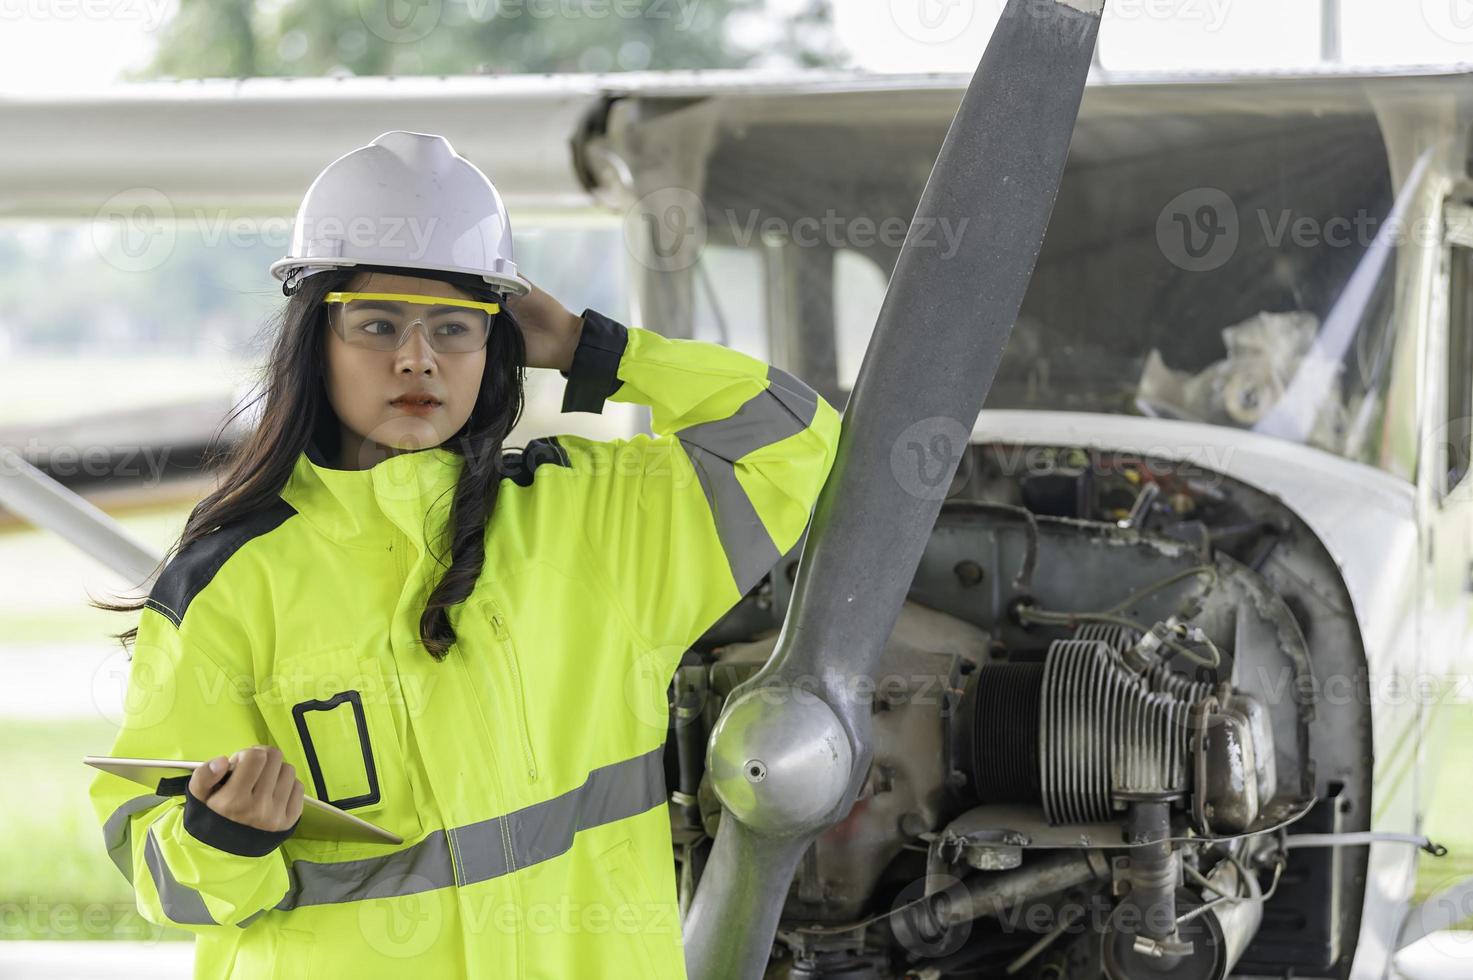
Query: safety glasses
[382, 321]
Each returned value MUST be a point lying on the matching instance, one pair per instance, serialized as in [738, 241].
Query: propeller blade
[792, 747]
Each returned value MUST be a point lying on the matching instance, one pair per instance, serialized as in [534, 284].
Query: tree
[303, 38]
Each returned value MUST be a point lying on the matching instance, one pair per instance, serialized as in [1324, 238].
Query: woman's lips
[415, 407]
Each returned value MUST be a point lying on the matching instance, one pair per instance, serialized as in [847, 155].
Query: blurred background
[119, 329]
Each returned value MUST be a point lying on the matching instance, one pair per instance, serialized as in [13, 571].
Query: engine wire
[1366, 837]
[1288, 821]
[1208, 570]
[1067, 918]
[1110, 616]
[1036, 615]
[1278, 872]
[1232, 899]
[836, 930]
[1276, 828]
[1203, 881]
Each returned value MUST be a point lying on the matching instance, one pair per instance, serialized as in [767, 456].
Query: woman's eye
[452, 328]
[368, 327]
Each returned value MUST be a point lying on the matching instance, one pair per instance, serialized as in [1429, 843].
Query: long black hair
[297, 412]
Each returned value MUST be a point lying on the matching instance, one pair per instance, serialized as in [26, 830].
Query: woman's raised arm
[687, 521]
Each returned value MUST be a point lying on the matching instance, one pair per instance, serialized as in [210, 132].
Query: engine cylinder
[1077, 733]
[1005, 746]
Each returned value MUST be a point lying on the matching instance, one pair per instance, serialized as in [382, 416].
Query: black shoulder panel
[187, 574]
[520, 464]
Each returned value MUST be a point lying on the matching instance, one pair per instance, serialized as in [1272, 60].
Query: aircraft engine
[1096, 726]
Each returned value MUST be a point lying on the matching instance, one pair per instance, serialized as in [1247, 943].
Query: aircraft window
[859, 289]
[728, 300]
[1227, 269]
[1458, 436]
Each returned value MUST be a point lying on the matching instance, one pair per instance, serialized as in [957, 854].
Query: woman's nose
[416, 349]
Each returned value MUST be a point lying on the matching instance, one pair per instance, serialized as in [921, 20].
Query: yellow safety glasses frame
[382, 321]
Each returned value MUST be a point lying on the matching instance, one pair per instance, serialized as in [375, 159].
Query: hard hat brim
[512, 282]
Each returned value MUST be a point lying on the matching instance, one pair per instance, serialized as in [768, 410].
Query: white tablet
[320, 821]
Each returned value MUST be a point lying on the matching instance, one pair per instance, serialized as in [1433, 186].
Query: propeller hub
[779, 760]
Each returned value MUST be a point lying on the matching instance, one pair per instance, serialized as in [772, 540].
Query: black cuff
[221, 832]
[595, 373]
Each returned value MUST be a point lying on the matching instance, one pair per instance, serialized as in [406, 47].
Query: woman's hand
[550, 330]
[262, 792]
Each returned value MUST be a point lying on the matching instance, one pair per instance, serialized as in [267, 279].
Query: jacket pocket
[290, 954]
[509, 664]
[295, 955]
[345, 774]
[639, 926]
[333, 719]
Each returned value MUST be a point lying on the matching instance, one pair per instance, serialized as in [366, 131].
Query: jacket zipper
[509, 653]
[398, 546]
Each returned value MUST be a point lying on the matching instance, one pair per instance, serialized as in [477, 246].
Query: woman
[467, 647]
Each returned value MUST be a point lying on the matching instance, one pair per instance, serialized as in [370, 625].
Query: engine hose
[1153, 871]
[993, 893]
[689, 750]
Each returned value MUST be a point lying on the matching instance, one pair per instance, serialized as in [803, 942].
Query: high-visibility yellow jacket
[524, 772]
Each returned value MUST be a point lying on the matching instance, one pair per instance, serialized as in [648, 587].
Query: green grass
[48, 582]
[1451, 796]
[58, 882]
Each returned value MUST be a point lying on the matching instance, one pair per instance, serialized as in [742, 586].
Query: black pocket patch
[335, 764]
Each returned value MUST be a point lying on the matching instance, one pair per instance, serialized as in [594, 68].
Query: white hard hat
[409, 201]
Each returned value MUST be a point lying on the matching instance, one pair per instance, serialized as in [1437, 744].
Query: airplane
[1113, 644]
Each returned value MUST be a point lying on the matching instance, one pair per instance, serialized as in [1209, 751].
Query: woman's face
[362, 383]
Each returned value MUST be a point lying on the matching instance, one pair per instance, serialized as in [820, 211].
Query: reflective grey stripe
[487, 848]
[544, 830]
[117, 832]
[423, 867]
[176, 898]
[481, 850]
[180, 902]
[750, 550]
[796, 396]
[786, 408]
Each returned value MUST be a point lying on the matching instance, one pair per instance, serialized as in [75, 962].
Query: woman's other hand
[550, 330]
[262, 791]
